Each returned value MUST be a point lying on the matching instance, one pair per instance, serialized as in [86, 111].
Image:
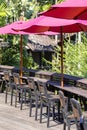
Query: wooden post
[21, 58]
[62, 75]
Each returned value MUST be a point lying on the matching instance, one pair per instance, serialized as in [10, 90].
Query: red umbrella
[8, 30]
[55, 25]
[70, 9]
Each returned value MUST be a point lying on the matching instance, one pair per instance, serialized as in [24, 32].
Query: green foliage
[74, 58]
[30, 63]
[12, 55]
[2, 9]
[55, 64]
[3, 12]
[45, 5]
[26, 8]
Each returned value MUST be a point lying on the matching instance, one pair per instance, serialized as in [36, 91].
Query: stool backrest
[6, 75]
[76, 107]
[31, 84]
[16, 78]
[63, 101]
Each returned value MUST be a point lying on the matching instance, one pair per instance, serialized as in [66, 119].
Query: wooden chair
[68, 117]
[49, 100]
[10, 86]
[81, 117]
[22, 91]
[34, 96]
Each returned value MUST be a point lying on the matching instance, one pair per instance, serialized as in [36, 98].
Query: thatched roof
[40, 43]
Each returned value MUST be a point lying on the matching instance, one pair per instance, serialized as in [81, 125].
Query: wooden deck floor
[12, 118]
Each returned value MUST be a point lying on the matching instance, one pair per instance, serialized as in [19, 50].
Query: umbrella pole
[21, 59]
[62, 76]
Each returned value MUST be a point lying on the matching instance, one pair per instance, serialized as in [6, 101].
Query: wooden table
[45, 74]
[6, 68]
[72, 91]
[82, 83]
[35, 79]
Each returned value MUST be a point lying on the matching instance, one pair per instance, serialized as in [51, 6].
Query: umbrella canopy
[70, 9]
[44, 23]
[68, 26]
[7, 29]
[31, 26]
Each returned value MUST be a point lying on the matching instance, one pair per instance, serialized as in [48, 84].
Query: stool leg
[69, 127]
[41, 112]
[53, 113]
[21, 99]
[30, 107]
[11, 96]
[25, 91]
[16, 98]
[64, 127]
[36, 109]
[48, 115]
[6, 94]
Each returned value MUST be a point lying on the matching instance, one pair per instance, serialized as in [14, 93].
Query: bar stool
[34, 96]
[22, 91]
[80, 116]
[10, 86]
[49, 100]
[68, 116]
